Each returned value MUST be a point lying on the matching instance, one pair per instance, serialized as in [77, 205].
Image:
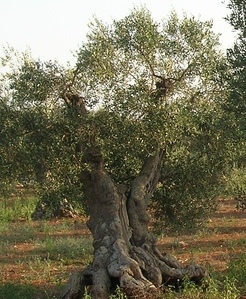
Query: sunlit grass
[237, 270]
[66, 249]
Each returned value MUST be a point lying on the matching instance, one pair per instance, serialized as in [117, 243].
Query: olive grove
[136, 123]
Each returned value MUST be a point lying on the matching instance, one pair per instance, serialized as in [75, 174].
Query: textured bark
[125, 252]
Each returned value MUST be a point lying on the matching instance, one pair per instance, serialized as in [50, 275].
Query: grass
[18, 207]
[36, 258]
[18, 291]
[237, 270]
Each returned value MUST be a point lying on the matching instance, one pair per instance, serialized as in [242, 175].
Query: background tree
[237, 100]
[36, 140]
[139, 113]
[236, 104]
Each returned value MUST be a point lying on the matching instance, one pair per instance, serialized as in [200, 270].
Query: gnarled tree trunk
[125, 252]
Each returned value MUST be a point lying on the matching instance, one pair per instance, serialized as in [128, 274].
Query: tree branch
[141, 191]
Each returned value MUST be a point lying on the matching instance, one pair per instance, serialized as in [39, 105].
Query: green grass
[18, 291]
[44, 226]
[13, 233]
[17, 208]
[67, 249]
[237, 271]
[216, 290]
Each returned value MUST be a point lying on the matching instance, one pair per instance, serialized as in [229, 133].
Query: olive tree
[235, 105]
[237, 79]
[141, 105]
[144, 86]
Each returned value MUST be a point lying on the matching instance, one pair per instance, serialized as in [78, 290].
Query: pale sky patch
[54, 29]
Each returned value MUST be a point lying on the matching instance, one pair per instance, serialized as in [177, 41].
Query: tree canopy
[236, 56]
[145, 85]
[235, 105]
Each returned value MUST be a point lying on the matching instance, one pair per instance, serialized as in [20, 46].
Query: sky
[54, 29]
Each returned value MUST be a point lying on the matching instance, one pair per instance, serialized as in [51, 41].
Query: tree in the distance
[142, 97]
[236, 104]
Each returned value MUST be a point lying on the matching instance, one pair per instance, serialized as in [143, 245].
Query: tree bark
[125, 252]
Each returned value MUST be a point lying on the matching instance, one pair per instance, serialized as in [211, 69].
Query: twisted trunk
[125, 252]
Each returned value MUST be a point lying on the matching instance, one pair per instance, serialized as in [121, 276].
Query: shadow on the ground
[28, 291]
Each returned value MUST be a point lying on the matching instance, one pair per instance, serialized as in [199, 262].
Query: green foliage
[192, 291]
[216, 289]
[228, 290]
[237, 271]
[191, 175]
[116, 72]
[237, 15]
[237, 80]
[236, 182]
[189, 121]
[118, 294]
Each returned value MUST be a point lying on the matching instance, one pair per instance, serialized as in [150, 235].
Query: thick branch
[141, 191]
[75, 102]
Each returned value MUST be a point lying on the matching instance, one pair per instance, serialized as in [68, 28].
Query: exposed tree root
[138, 273]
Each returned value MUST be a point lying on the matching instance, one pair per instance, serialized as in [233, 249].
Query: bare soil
[222, 238]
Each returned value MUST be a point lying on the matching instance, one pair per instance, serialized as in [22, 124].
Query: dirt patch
[223, 238]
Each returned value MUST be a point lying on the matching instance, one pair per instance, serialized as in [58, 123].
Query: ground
[36, 258]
